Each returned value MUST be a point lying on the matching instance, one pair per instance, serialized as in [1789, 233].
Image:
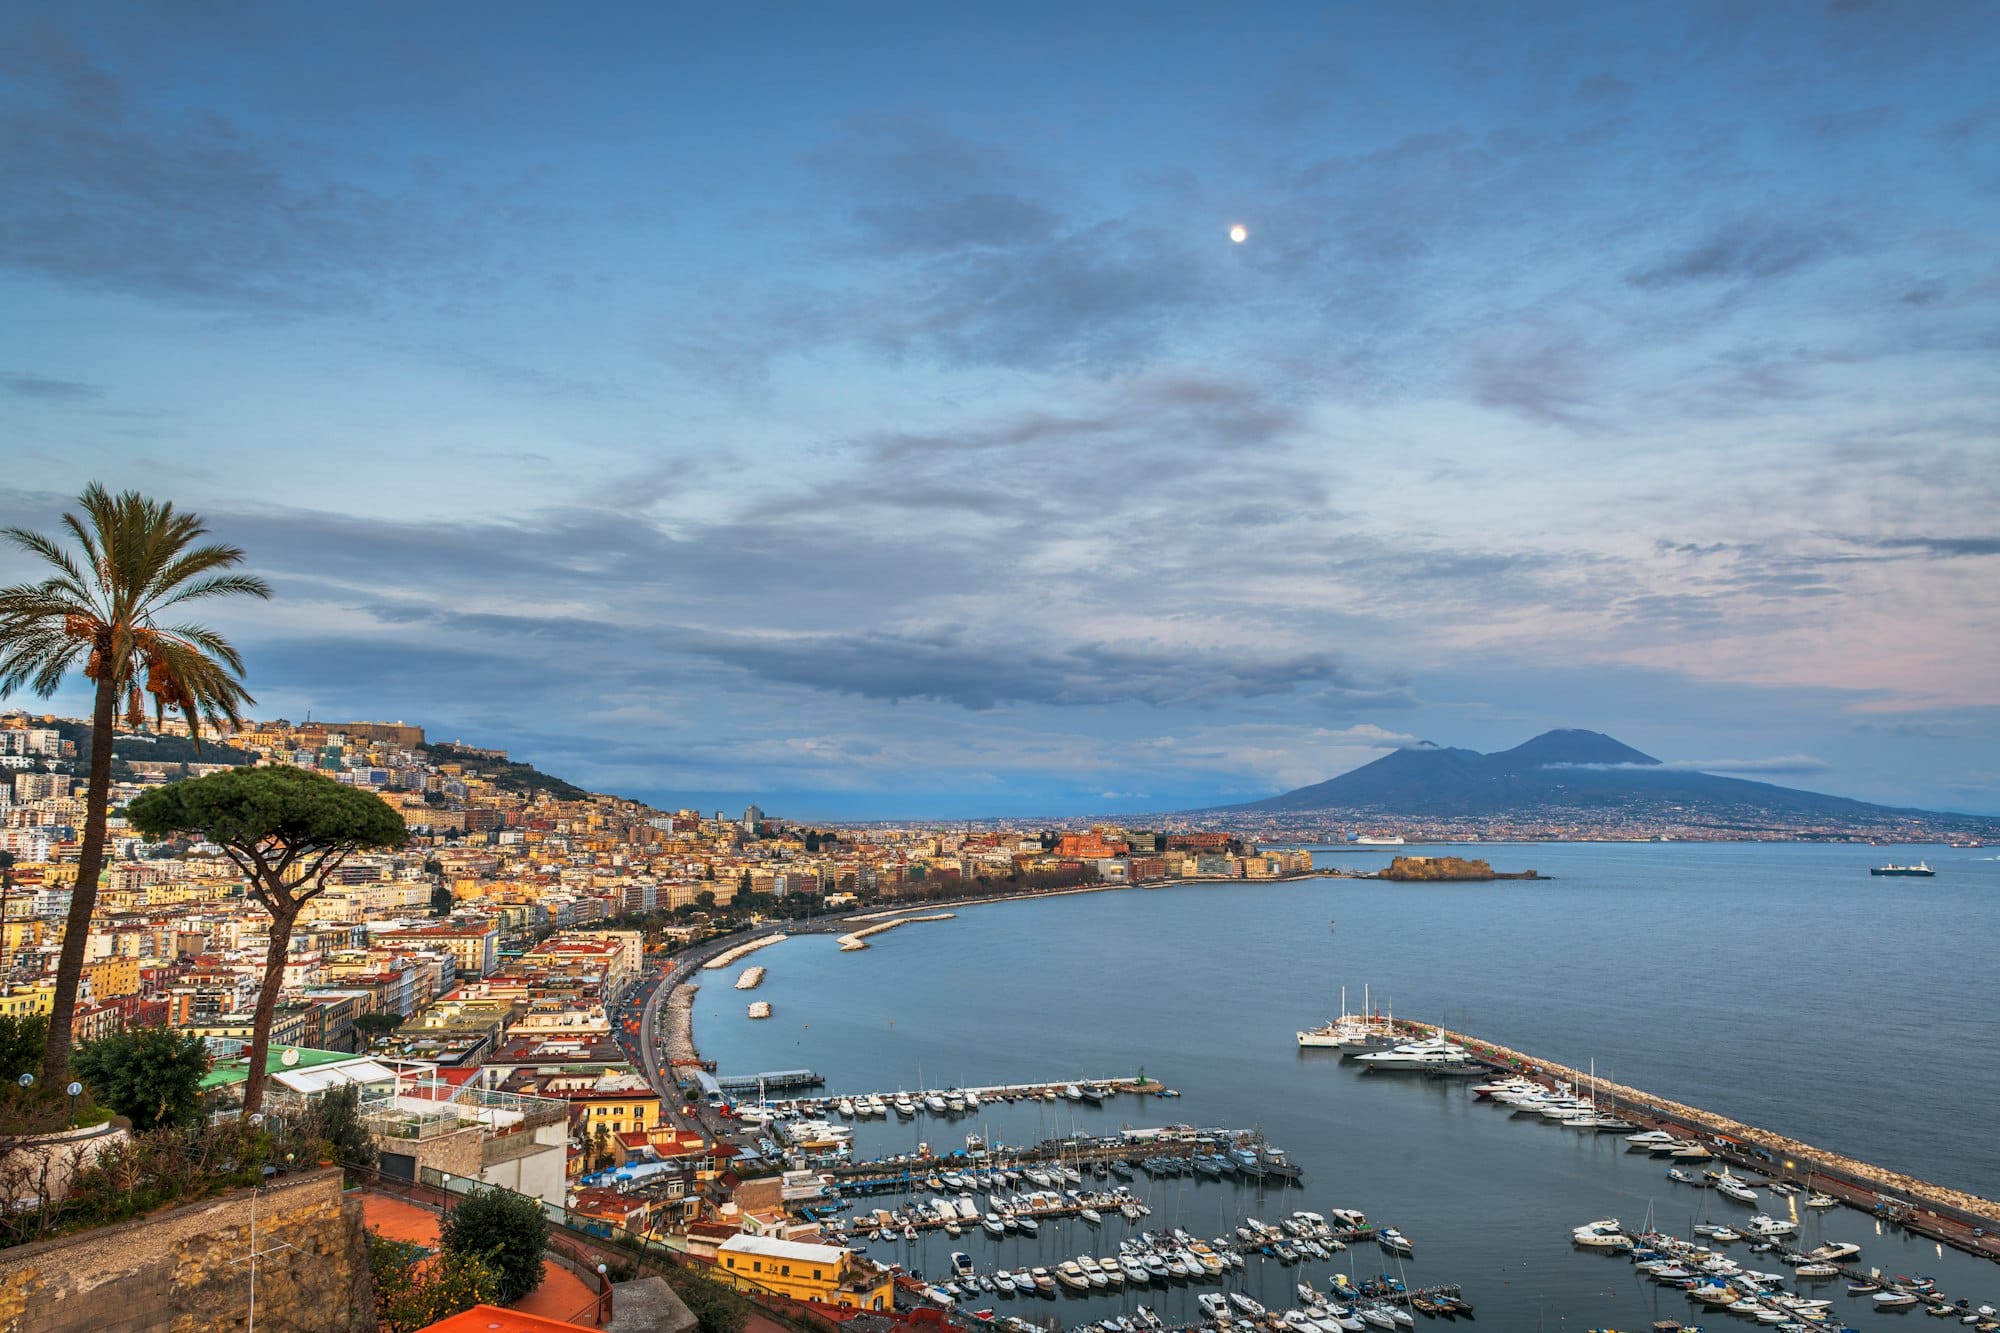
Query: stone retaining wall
[187, 1270]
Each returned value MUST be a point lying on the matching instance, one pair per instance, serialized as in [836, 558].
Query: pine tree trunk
[83, 898]
[267, 1006]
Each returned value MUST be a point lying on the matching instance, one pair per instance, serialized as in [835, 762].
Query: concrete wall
[187, 1270]
[535, 1164]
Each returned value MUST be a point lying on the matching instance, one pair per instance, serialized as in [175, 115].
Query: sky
[864, 410]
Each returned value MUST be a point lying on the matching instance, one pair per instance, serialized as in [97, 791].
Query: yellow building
[803, 1272]
[618, 1102]
[112, 977]
[21, 932]
[24, 1001]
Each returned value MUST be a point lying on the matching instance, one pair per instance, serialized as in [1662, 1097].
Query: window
[756, 1265]
[786, 1271]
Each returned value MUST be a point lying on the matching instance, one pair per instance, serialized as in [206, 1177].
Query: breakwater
[859, 939]
[743, 950]
[752, 978]
[1951, 1216]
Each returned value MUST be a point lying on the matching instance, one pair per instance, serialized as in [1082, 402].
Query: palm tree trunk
[267, 1005]
[83, 898]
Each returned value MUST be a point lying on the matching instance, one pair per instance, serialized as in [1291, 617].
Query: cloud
[183, 203]
[1601, 87]
[41, 386]
[1544, 380]
[952, 666]
[1778, 764]
[1939, 548]
[984, 219]
[1745, 250]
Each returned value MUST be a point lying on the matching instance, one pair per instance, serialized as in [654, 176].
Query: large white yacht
[1415, 1055]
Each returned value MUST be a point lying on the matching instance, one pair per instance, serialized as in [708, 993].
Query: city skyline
[869, 413]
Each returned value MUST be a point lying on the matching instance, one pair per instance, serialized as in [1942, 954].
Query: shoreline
[677, 1005]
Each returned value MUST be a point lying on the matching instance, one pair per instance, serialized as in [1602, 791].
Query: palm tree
[101, 607]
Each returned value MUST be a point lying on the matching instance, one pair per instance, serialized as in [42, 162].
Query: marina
[1225, 1034]
[1951, 1217]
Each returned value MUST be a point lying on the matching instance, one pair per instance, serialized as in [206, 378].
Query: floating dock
[1043, 1092]
[778, 1080]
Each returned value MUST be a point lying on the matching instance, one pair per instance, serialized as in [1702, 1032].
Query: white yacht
[1732, 1187]
[1834, 1252]
[1601, 1235]
[1429, 1052]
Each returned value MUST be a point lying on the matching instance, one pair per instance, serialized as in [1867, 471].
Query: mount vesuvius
[1565, 770]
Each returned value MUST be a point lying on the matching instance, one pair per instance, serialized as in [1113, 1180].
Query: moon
[1238, 232]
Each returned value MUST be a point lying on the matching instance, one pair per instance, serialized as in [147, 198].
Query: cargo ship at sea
[1921, 869]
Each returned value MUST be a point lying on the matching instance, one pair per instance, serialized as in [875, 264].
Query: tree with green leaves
[151, 1076]
[414, 1290]
[106, 605]
[338, 1121]
[287, 830]
[507, 1230]
[374, 1026]
[22, 1039]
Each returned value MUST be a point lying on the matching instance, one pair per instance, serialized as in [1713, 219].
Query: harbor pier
[1951, 1217]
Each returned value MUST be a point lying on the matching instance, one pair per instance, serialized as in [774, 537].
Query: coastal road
[647, 1046]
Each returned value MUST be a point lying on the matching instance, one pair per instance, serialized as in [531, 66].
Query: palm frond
[35, 543]
[206, 640]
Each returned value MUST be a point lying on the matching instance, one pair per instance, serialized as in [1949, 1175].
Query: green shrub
[415, 1289]
[507, 1230]
[151, 1076]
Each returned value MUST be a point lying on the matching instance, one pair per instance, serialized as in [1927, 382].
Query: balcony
[450, 1110]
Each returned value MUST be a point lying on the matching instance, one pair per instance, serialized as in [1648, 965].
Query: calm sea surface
[1780, 985]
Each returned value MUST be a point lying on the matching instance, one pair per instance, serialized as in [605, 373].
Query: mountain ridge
[1567, 768]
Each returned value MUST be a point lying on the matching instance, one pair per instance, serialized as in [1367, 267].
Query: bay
[1776, 983]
